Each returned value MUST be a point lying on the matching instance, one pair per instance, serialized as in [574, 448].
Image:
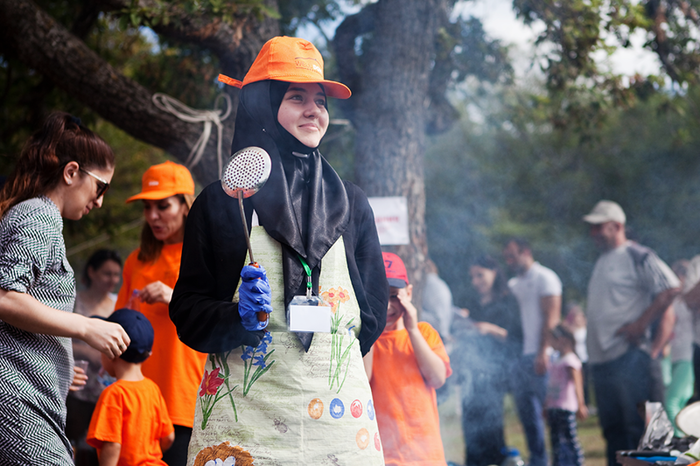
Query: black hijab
[303, 205]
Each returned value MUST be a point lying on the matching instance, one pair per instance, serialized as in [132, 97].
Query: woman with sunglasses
[63, 172]
[150, 273]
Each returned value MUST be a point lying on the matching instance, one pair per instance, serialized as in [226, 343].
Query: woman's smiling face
[303, 113]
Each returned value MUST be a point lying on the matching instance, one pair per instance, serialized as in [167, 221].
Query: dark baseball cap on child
[140, 331]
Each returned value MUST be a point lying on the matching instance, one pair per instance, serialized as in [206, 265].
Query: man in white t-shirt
[629, 289]
[538, 291]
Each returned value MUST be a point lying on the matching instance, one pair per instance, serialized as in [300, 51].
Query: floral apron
[279, 405]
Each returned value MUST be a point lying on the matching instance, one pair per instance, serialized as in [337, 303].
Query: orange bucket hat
[164, 180]
[292, 60]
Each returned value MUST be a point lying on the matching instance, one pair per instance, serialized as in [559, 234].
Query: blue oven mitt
[254, 296]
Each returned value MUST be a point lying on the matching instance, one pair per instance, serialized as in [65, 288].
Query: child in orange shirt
[405, 366]
[130, 424]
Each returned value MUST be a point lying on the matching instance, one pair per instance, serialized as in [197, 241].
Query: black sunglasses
[101, 188]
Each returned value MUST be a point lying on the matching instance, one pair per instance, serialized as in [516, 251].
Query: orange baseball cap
[164, 180]
[292, 60]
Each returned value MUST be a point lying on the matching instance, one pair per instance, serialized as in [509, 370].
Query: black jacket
[214, 252]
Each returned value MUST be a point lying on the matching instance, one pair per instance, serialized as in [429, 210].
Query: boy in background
[405, 366]
[130, 424]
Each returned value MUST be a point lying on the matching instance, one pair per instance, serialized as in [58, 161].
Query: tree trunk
[43, 44]
[390, 82]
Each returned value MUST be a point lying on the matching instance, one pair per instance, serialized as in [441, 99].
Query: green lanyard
[309, 283]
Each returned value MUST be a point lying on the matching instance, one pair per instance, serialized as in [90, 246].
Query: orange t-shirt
[134, 415]
[406, 407]
[175, 367]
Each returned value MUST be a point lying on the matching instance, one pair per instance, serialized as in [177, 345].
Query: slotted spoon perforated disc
[246, 172]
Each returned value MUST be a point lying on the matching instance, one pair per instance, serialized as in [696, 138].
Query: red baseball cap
[395, 270]
[292, 60]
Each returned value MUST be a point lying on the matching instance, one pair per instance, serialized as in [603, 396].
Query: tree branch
[42, 43]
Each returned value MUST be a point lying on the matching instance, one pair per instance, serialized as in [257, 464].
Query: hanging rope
[190, 115]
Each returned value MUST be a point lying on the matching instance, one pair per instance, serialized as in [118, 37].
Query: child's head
[398, 284]
[562, 339]
[140, 331]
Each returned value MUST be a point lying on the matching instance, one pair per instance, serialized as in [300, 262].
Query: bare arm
[487, 328]
[575, 374]
[432, 368]
[367, 360]
[634, 330]
[109, 453]
[692, 297]
[25, 312]
[166, 442]
[551, 315]
[664, 333]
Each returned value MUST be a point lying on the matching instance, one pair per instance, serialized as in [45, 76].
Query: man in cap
[538, 290]
[405, 366]
[629, 289]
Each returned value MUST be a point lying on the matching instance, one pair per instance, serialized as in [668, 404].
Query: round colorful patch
[337, 408]
[362, 438]
[356, 409]
[377, 442]
[370, 410]
[316, 408]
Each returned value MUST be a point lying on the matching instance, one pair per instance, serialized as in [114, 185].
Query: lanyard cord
[307, 269]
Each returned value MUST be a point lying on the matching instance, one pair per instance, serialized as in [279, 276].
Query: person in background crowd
[680, 389]
[691, 296]
[486, 345]
[63, 172]
[575, 321]
[314, 234]
[565, 401]
[101, 275]
[437, 307]
[406, 364]
[538, 291]
[150, 272]
[131, 425]
[630, 288]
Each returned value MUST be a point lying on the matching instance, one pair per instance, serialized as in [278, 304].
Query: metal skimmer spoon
[244, 175]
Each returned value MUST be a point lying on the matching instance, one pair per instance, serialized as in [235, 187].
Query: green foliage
[297, 13]
[504, 177]
[163, 12]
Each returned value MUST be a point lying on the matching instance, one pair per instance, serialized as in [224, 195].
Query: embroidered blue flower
[248, 353]
[259, 360]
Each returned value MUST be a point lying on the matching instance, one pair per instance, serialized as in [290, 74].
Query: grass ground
[451, 429]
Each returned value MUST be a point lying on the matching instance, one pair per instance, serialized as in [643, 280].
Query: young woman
[63, 172]
[486, 344]
[283, 397]
[101, 275]
[150, 274]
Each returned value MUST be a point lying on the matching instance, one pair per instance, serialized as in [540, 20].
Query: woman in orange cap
[282, 396]
[149, 276]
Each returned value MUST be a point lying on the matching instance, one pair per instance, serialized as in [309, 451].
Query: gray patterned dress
[35, 370]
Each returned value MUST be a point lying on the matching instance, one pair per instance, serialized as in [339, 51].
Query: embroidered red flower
[211, 382]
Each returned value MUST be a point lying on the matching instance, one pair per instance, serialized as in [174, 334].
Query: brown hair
[150, 246]
[62, 139]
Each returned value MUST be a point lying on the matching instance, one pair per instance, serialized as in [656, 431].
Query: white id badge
[309, 315]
